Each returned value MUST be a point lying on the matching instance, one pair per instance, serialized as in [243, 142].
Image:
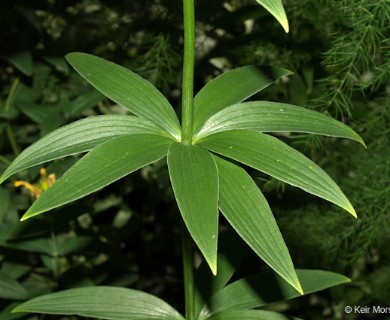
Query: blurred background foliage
[127, 234]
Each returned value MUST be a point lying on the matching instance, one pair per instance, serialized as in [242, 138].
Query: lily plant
[218, 133]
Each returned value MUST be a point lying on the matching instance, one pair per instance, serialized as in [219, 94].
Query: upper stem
[188, 71]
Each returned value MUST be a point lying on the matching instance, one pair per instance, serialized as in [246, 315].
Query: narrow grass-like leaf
[103, 165]
[232, 87]
[127, 89]
[80, 136]
[275, 7]
[102, 303]
[268, 116]
[194, 180]
[231, 252]
[251, 315]
[270, 155]
[265, 288]
[246, 209]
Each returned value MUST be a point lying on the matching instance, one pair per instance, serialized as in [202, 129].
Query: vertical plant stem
[188, 70]
[12, 140]
[5, 160]
[188, 270]
[187, 123]
[11, 94]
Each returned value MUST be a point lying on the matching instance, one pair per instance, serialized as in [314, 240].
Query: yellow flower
[37, 189]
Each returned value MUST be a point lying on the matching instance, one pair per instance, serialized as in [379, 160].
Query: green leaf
[271, 156]
[84, 102]
[11, 289]
[127, 89]
[265, 288]
[22, 61]
[79, 136]
[73, 245]
[103, 165]
[103, 303]
[232, 87]
[49, 246]
[275, 7]
[246, 209]
[194, 180]
[268, 116]
[59, 63]
[231, 251]
[250, 315]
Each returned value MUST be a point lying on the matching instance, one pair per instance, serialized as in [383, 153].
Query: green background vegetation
[128, 234]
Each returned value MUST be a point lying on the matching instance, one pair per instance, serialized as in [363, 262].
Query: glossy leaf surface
[79, 136]
[127, 89]
[271, 156]
[246, 209]
[232, 87]
[275, 7]
[103, 165]
[194, 180]
[268, 116]
[102, 303]
[265, 288]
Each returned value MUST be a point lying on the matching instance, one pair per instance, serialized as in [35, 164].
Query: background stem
[188, 270]
[188, 70]
[12, 140]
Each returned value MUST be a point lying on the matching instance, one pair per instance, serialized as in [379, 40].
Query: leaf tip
[23, 218]
[29, 214]
[299, 288]
[16, 310]
[352, 211]
[285, 26]
[213, 267]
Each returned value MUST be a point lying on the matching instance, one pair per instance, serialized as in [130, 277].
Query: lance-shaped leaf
[271, 156]
[246, 209]
[127, 89]
[232, 87]
[275, 7]
[251, 315]
[102, 303]
[265, 288]
[268, 116]
[194, 180]
[103, 165]
[80, 136]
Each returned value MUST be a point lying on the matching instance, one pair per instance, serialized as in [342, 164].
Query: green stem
[188, 70]
[188, 270]
[5, 160]
[12, 140]
[11, 95]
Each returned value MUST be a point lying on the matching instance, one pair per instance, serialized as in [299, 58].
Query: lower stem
[188, 270]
